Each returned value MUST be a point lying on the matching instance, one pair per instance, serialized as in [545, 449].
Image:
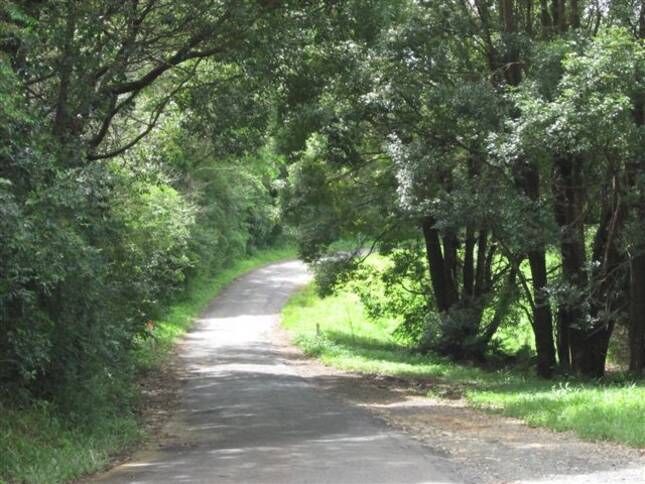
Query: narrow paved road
[246, 417]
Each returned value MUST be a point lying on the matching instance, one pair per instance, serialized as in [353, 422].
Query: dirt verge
[490, 447]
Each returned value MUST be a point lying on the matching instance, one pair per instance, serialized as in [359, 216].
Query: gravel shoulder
[487, 447]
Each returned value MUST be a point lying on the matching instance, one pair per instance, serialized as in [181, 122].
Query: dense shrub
[89, 254]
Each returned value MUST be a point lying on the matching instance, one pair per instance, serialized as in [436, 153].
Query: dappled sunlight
[248, 416]
[254, 411]
[135, 465]
[593, 410]
[431, 397]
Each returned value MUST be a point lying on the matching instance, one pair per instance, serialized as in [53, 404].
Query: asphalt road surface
[246, 417]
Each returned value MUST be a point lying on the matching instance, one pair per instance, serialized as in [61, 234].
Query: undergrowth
[81, 430]
[336, 330]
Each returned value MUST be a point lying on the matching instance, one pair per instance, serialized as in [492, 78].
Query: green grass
[40, 444]
[610, 410]
[37, 445]
[601, 411]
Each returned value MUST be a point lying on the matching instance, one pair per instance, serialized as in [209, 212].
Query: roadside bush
[91, 253]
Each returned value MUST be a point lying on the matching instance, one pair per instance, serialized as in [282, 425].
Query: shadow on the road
[275, 421]
[248, 295]
[249, 415]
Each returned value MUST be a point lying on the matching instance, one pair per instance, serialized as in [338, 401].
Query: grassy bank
[179, 317]
[42, 444]
[611, 410]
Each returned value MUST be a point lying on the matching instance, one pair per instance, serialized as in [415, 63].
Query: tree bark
[637, 313]
[450, 246]
[507, 297]
[545, 18]
[469, 264]
[559, 15]
[512, 68]
[568, 206]
[528, 181]
[574, 14]
[637, 262]
[481, 265]
[589, 351]
[62, 117]
[589, 344]
[542, 315]
[439, 272]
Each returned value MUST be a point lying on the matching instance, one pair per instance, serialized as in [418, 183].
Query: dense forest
[492, 150]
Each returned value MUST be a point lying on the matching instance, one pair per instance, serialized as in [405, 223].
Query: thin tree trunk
[469, 264]
[529, 18]
[575, 14]
[637, 263]
[512, 69]
[481, 266]
[562, 16]
[507, 298]
[559, 15]
[589, 345]
[450, 246]
[62, 115]
[555, 13]
[545, 18]
[542, 318]
[528, 181]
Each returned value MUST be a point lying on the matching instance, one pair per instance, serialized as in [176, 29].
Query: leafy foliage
[496, 134]
[118, 182]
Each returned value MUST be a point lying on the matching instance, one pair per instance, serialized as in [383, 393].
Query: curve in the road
[246, 417]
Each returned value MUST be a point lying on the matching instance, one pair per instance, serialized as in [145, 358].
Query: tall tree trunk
[469, 264]
[481, 266]
[529, 18]
[512, 67]
[589, 351]
[529, 181]
[574, 14]
[507, 298]
[589, 344]
[450, 246]
[637, 263]
[559, 15]
[568, 196]
[542, 316]
[442, 282]
[637, 311]
[562, 16]
[62, 115]
[555, 13]
[545, 18]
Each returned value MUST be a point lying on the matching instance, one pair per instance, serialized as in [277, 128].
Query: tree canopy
[493, 150]
[506, 139]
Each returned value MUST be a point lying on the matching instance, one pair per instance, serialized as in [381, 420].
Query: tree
[453, 99]
[96, 60]
[98, 233]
